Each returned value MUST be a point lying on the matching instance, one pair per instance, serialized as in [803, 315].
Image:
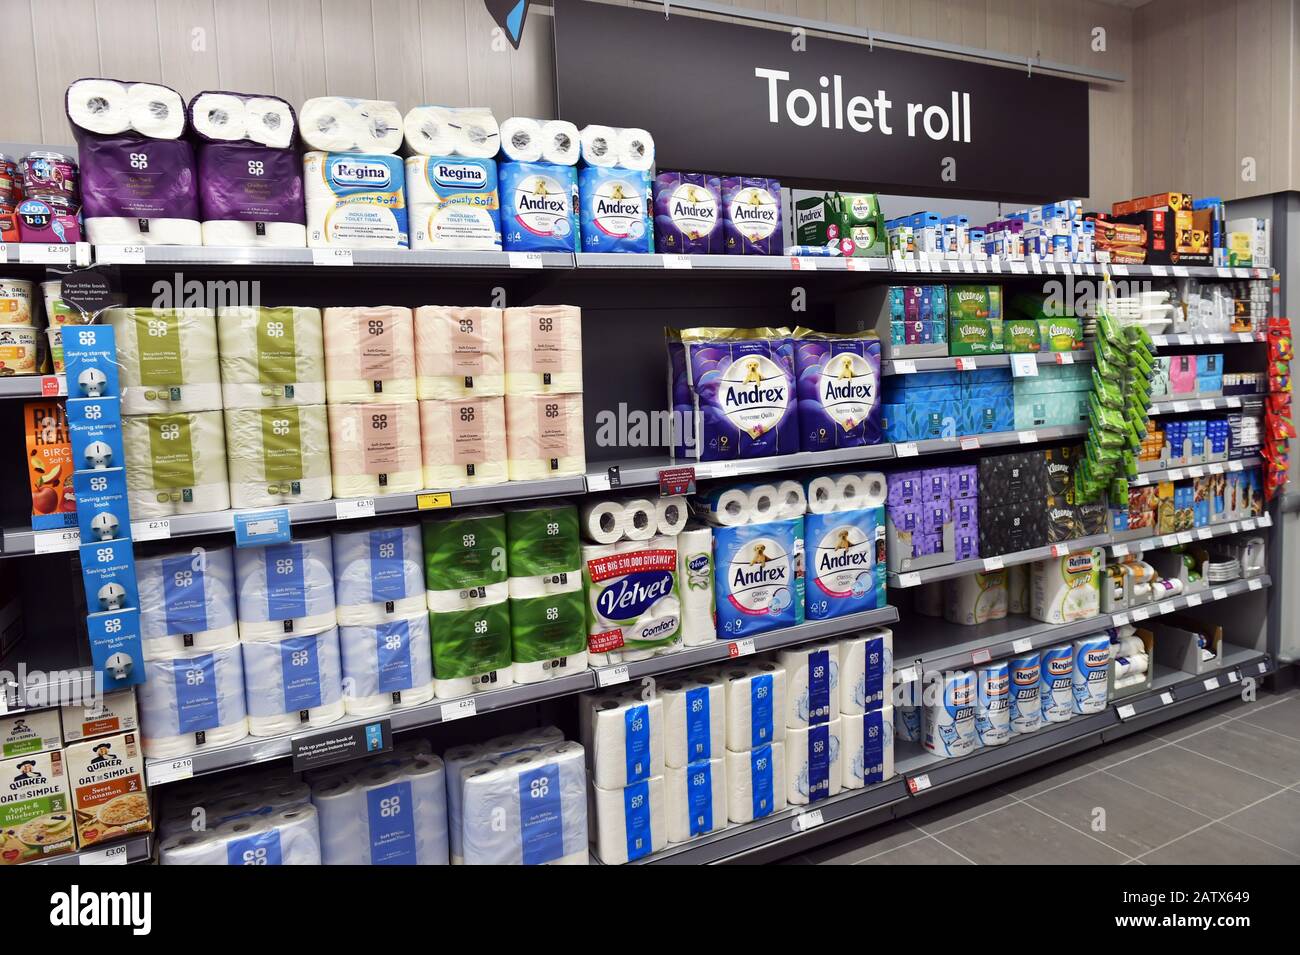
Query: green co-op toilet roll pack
[547, 612]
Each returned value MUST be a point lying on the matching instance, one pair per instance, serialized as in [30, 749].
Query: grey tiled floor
[1218, 786]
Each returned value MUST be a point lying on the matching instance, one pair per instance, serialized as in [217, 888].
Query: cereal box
[108, 791]
[49, 465]
[27, 733]
[112, 713]
[35, 810]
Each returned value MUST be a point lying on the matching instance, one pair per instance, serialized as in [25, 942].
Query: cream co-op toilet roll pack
[175, 464]
[167, 359]
[543, 350]
[545, 437]
[463, 441]
[271, 357]
[459, 352]
[278, 455]
[375, 449]
[369, 354]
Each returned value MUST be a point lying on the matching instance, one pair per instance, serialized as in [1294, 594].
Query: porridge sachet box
[106, 776]
[35, 808]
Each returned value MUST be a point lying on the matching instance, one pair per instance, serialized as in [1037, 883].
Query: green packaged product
[1138, 333]
[975, 301]
[974, 336]
[542, 540]
[862, 223]
[466, 551]
[548, 627]
[1060, 334]
[817, 220]
[469, 643]
[1020, 335]
[1108, 328]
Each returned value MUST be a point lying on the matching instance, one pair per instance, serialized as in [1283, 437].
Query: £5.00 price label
[612, 676]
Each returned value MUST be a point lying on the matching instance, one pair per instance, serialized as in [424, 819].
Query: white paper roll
[694, 719]
[459, 352]
[125, 230]
[285, 590]
[467, 598]
[868, 756]
[521, 139]
[385, 815]
[852, 490]
[192, 701]
[543, 349]
[950, 716]
[269, 121]
[544, 437]
[623, 738]
[729, 507]
[369, 354]
[791, 500]
[167, 359]
[636, 150]
[603, 522]
[599, 146]
[337, 124]
[219, 116]
[812, 675]
[187, 601]
[539, 671]
[755, 782]
[671, 514]
[756, 702]
[875, 490]
[455, 688]
[287, 837]
[99, 106]
[976, 598]
[241, 234]
[155, 111]
[823, 495]
[219, 811]
[452, 131]
[764, 503]
[386, 665]
[813, 768]
[278, 455]
[293, 684]
[640, 522]
[560, 143]
[866, 671]
[696, 797]
[993, 703]
[630, 823]
[695, 583]
[378, 575]
[375, 449]
[175, 464]
[271, 357]
[463, 441]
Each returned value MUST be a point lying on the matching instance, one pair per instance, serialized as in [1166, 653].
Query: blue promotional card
[95, 432]
[102, 512]
[115, 648]
[90, 361]
[108, 573]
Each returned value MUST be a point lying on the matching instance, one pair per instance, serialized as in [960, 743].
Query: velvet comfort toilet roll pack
[459, 352]
[375, 449]
[175, 464]
[385, 814]
[293, 684]
[369, 354]
[191, 700]
[187, 601]
[167, 359]
[271, 357]
[278, 455]
[285, 590]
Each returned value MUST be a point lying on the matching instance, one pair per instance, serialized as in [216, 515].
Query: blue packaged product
[1091, 663]
[838, 392]
[845, 553]
[963, 481]
[1026, 672]
[759, 577]
[356, 200]
[1056, 683]
[538, 206]
[904, 487]
[615, 210]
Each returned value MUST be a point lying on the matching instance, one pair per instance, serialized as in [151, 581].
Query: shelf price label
[918, 784]
[36, 253]
[56, 541]
[53, 385]
[1119, 619]
[742, 648]
[1212, 684]
[969, 443]
[1193, 600]
[912, 579]
[1166, 698]
[459, 709]
[1256, 584]
[966, 364]
[981, 656]
[169, 771]
[807, 820]
[525, 260]
[1219, 593]
[151, 530]
[1028, 437]
[432, 502]
[993, 563]
[907, 449]
[1234, 676]
[904, 366]
[1023, 645]
[331, 256]
[1064, 358]
[678, 262]
[1125, 711]
[803, 263]
[348, 510]
[112, 855]
[612, 676]
[1024, 366]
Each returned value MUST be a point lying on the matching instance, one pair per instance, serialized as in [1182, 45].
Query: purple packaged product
[688, 213]
[838, 390]
[935, 515]
[925, 544]
[745, 395]
[136, 177]
[965, 512]
[912, 302]
[52, 177]
[966, 543]
[934, 485]
[250, 184]
[751, 216]
[963, 481]
[38, 221]
[905, 518]
[904, 488]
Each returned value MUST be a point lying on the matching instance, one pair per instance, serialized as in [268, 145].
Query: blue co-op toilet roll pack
[759, 578]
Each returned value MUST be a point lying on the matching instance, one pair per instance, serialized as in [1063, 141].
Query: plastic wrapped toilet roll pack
[813, 769]
[375, 449]
[271, 357]
[454, 203]
[696, 797]
[695, 585]
[547, 609]
[287, 837]
[993, 703]
[694, 719]
[1025, 673]
[278, 455]
[120, 205]
[470, 131]
[544, 436]
[950, 716]
[167, 359]
[631, 822]
[112, 107]
[633, 518]
[529, 808]
[285, 590]
[633, 608]
[812, 683]
[909, 712]
[378, 574]
[341, 124]
[192, 700]
[463, 442]
[222, 117]
[1056, 683]
[355, 201]
[868, 740]
[742, 504]
[217, 806]
[972, 599]
[623, 736]
[385, 815]
[459, 352]
[540, 140]
[294, 683]
[543, 349]
[846, 492]
[187, 601]
[756, 705]
[369, 354]
[755, 782]
[386, 665]
[1088, 678]
[866, 675]
[251, 195]
[175, 464]
[607, 146]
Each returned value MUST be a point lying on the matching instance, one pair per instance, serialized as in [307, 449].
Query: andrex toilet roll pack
[615, 210]
[838, 390]
[688, 213]
[538, 206]
[752, 210]
[759, 577]
[846, 562]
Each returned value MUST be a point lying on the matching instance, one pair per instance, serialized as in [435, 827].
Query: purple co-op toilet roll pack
[838, 390]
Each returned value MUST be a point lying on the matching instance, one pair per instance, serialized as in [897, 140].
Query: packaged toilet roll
[755, 782]
[386, 665]
[521, 139]
[1066, 589]
[993, 703]
[287, 837]
[539, 203]
[759, 582]
[369, 354]
[378, 575]
[187, 601]
[355, 201]
[175, 464]
[243, 117]
[344, 125]
[285, 590]
[544, 437]
[470, 131]
[547, 608]
[909, 712]
[695, 586]
[1056, 683]
[453, 203]
[1088, 675]
[846, 562]
[972, 599]
[696, 797]
[866, 671]
[636, 149]
[167, 359]
[950, 718]
[459, 352]
[548, 635]
[631, 822]
[110, 107]
[251, 195]
[868, 756]
[192, 700]
[249, 803]
[293, 684]
[543, 349]
[121, 205]
[465, 559]
[813, 768]
[694, 719]
[463, 441]
[615, 210]
[375, 449]
[599, 145]
[526, 809]
[812, 687]
[792, 500]
[756, 704]
[628, 519]
[623, 737]
[278, 455]
[471, 650]
[1025, 673]
[633, 608]
[271, 357]
[385, 815]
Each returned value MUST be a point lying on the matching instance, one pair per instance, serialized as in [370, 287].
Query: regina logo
[1079, 564]
[848, 386]
[759, 578]
[996, 685]
[469, 175]
[963, 693]
[1096, 658]
[844, 562]
[754, 211]
[1024, 676]
[754, 394]
[1059, 666]
[358, 172]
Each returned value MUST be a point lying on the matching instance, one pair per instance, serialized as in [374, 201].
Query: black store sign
[725, 98]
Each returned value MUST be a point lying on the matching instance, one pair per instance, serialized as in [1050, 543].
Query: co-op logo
[510, 16]
[353, 172]
[460, 174]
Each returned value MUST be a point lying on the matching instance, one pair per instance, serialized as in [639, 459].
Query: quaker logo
[28, 775]
[631, 596]
[754, 394]
[848, 388]
[358, 172]
[509, 16]
[467, 174]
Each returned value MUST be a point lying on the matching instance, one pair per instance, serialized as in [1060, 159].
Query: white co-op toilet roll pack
[755, 782]
[271, 357]
[293, 684]
[175, 464]
[355, 201]
[696, 797]
[347, 125]
[866, 680]
[369, 354]
[378, 574]
[386, 665]
[167, 359]
[187, 601]
[623, 736]
[543, 349]
[278, 455]
[544, 436]
[192, 700]
[630, 822]
[375, 449]
[385, 815]
[285, 590]
[287, 837]
[470, 131]
[813, 755]
[112, 107]
[756, 704]
[556, 141]
[459, 352]
[464, 442]
[950, 716]
[694, 718]
[812, 683]
[868, 756]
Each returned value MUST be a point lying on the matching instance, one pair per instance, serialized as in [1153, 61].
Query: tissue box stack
[918, 315]
[933, 513]
[543, 385]
[944, 404]
[623, 737]
[1013, 492]
[1056, 396]
[865, 702]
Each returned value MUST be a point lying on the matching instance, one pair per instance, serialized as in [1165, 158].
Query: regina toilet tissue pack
[187, 601]
[342, 125]
[614, 210]
[759, 577]
[285, 590]
[544, 437]
[540, 140]
[756, 701]
[469, 131]
[167, 359]
[378, 574]
[813, 755]
[1025, 672]
[845, 551]
[271, 357]
[384, 814]
[459, 352]
[1066, 589]
[868, 740]
[355, 201]
[1056, 683]
[375, 449]
[866, 671]
[950, 716]
[696, 799]
[543, 349]
[694, 718]
[539, 206]
[191, 700]
[294, 683]
[610, 146]
[278, 455]
[287, 837]
[623, 736]
[755, 782]
[386, 665]
[993, 703]
[369, 354]
[175, 464]
[1088, 678]
[463, 441]
[453, 203]
[630, 822]
[838, 389]
[976, 598]
[548, 617]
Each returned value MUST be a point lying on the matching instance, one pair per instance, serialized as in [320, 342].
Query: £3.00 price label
[112, 855]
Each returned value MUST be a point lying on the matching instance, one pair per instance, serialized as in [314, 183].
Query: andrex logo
[509, 16]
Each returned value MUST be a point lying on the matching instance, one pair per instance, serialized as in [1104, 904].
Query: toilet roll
[369, 354]
[1135, 665]
[543, 349]
[868, 748]
[822, 494]
[695, 586]
[192, 700]
[972, 599]
[287, 837]
[187, 601]
[603, 522]
[175, 464]
[631, 822]
[858, 491]
[756, 702]
[950, 716]
[271, 357]
[285, 590]
[465, 558]
[671, 514]
[125, 230]
[386, 665]
[471, 650]
[636, 150]
[339, 124]
[813, 769]
[239, 233]
[385, 815]
[278, 455]
[219, 811]
[696, 799]
[548, 635]
[792, 501]
[694, 719]
[727, 507]
[764, 503]
[375, 449]
[755, 782]
[544, 437]
[640, 521]
[459, 352]
[293, 684]
[454, 203]
[139, 190]
[452, 131]
[866, 664]
[812, 675]
[378, 575]
[633, 609]
[561, 144]
[463, 442]
[526, 809]
[167, 359]
[599, 145]
[993, 703]
[241, 117]
[623, 737]
[521, 139]
[110, 107]
[1127, 646]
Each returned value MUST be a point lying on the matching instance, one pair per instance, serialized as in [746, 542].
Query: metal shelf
[1185, 403]
[909, 366]
[959, 568]
[1207, 338]
[31, 386]
[199, 255]
[1155, 542]
[138, 849]
[933, 266]
[42, 254]
[765, 263]
[1196, 470]
[996, 439]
